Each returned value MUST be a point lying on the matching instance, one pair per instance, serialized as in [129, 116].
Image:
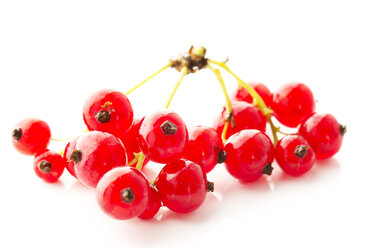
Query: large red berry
[241, 94]
[294, 155]
[204, 147]
[246, 116]
[95, 154]
[292, 103]
[249, 155]
[31, 136]
[182, 186]
[70, 147]
[153, 205]
[324, 134]
[163, 136]
[49, 166]
[123, 193]
[109, 111]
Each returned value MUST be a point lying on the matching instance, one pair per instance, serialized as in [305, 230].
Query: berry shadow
[322, 170]
[171, 225]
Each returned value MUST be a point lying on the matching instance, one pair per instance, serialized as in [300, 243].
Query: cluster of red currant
[110, 156]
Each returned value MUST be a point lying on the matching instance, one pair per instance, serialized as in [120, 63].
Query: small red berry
[49, 166]
[249, 155]
[96, 153]
[130, 141]
[163, 136]
[204, 147]
[292, 103]
[70, 147]
[294, 155]
[122, 193]
[31, 136]
[324, 134]
[182, 186]
[153, 205]
[241, 94]
[246, 116]
[109, 111]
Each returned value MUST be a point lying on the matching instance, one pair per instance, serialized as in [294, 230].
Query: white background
[54, 54]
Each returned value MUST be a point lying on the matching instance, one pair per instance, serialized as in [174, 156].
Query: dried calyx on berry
[301, 151]
[268, 169]
[45, 166]
[76, 156]
[168, 128]
[221, 156]
[343, 129]
[17, 134]
[194, 60]
[127, 195]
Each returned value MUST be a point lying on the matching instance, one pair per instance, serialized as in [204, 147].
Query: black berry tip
[103, 116]
[127, 195]
[301, 151]
[168, 128]
[17, 134]
[268, 169]
[221, 156]
[45, 166]
[210, 186]
[343, 129]
[76, 156]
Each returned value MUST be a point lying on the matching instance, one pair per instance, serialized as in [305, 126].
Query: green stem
[183, 73]
[147, 79]
[257, 98]
[141, 158]
[229, 117]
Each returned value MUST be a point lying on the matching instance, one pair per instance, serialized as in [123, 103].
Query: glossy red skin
[57, 166]
[292, 103]
[288, 161]
[70, 166]
[121, 115]
[203, 147]
[153, 205]
[130, 141]
[241, 94]
[323, 133]
[246, 116]
[101, 152]
[35, 136]
[157, 146]
[182, 186]
[109, 197]
[248, 152]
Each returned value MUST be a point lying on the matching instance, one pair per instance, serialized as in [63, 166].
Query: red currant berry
[323, 133]
[96, 153]
[122, 193]
[109, 111]
[49, 166]
[294, 155]
[129, 138]
[31, 136]
[249, 155]
[292, 103]
[204, 147]
[153, 205]
[163, 136]
[70, 147]
[246, 116]
[130, 141]
[182, 186]
[241, 94]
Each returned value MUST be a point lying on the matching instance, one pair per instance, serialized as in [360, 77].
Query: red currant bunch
[110, 155]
